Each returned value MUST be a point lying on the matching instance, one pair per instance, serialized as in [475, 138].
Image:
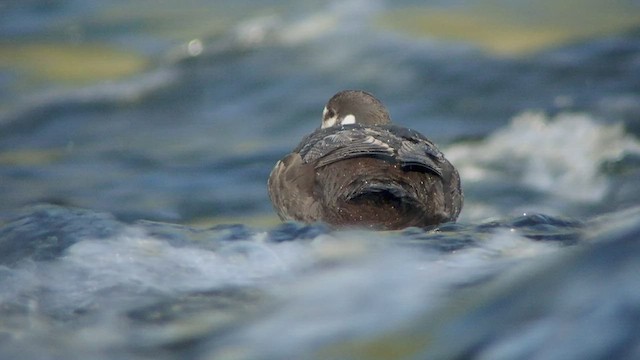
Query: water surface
[136, 139]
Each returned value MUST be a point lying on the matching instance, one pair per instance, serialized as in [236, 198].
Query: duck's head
[354, 107]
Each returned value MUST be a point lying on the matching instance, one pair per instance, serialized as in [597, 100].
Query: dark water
[150, 130]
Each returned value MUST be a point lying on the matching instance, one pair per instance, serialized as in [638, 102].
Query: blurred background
[118, 112]
[177, 111]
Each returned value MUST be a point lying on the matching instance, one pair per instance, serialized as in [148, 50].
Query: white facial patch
[349, 119]
[328, 122]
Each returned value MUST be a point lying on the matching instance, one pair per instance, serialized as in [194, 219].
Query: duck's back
[383, 177]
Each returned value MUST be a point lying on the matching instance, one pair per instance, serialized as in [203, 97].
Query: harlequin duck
[360, 170]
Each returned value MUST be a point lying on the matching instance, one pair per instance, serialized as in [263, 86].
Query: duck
[360, 170]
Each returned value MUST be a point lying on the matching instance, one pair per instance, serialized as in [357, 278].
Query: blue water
[135, 222]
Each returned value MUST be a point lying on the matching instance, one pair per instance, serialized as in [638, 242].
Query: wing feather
[403, 146]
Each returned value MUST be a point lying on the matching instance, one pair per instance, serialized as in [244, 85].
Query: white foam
[377, 289]
[134, 266]
[561, 156]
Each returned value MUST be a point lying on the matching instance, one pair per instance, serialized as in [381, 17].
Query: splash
[561, 156]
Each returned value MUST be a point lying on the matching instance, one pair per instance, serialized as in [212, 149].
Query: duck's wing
[290, 187]
[394, 144]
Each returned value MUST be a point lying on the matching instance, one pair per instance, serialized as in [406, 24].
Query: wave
[47, 102]
[561, 157]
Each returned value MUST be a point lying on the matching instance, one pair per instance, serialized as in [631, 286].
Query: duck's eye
[330, 113]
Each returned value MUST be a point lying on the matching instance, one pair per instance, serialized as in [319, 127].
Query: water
[134, 220]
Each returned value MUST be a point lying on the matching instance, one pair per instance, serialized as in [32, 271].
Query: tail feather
[376, 188]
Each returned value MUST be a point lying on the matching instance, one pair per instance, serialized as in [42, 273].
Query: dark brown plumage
[359, 170]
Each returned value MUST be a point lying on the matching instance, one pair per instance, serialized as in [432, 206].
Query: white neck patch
[328, 122]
